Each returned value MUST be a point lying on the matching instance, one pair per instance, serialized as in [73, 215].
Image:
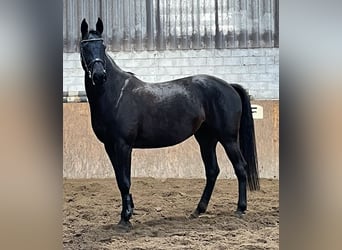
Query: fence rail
[175, 24]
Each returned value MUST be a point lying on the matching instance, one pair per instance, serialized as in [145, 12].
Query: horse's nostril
[99, 77]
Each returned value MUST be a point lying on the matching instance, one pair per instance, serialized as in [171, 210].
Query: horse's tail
[247, 139]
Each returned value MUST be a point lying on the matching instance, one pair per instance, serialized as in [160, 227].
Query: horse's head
[92, 52]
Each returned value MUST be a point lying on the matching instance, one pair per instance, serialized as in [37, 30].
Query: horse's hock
[84, 156]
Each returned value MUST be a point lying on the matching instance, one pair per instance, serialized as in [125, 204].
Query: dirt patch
[161, 218]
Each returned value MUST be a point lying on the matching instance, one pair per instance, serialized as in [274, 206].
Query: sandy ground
[161, 218]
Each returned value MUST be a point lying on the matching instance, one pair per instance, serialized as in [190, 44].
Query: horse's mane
[117, 67]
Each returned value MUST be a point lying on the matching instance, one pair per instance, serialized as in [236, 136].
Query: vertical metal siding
[175, 24]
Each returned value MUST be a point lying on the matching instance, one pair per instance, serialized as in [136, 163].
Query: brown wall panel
[84, 155]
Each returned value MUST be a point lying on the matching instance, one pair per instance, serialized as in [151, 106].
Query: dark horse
[128, 113]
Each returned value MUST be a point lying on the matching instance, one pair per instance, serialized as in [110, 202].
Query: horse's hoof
[125, 226]
[195, 214]
[240, 214]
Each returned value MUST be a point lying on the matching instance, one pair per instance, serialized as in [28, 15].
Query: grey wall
[255, 69]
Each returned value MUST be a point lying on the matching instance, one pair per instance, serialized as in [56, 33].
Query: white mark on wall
[257, 111]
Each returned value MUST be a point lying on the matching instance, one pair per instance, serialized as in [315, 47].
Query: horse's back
[172, 111]
[197, 89]
[213, 87]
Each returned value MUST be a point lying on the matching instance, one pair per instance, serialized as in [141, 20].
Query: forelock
[94, 33]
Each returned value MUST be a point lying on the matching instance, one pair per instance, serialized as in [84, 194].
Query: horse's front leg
[120, 156]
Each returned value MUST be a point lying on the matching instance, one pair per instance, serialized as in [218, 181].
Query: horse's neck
[114, 66]
[116, 79]
[116, 76]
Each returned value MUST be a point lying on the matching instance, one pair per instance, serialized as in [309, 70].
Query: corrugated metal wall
[175, 24]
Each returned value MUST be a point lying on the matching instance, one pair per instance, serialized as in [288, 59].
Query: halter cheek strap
[90, 65]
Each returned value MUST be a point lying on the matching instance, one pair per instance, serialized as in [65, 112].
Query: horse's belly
[159, 141]
[167, 134]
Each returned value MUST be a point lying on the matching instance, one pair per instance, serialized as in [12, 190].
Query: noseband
[89, 66]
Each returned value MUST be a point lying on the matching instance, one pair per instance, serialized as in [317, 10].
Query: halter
[92, 62]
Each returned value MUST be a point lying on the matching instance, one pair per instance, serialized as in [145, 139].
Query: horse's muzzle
[99, 77]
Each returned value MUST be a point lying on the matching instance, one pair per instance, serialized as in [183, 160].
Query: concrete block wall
[256, 69]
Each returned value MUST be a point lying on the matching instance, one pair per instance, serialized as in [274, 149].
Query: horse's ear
[99, 26]
[84, 27]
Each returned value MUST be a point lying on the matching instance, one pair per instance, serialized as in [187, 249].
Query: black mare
[128, 113]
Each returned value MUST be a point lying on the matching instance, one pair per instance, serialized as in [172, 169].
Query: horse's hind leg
[233, 151]
[207, 144]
